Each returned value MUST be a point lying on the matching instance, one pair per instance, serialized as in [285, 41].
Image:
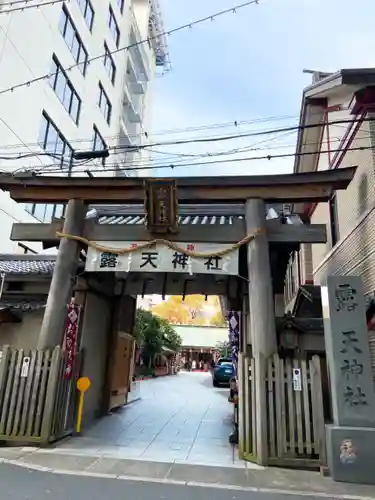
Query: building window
[121, 4]
[113, 26]
[64, 90]
[104, 104]
[333, 220]
[45, 212]
[87, 12]
[109, 64]
[73, 41]
[53, 142]
[98, 143]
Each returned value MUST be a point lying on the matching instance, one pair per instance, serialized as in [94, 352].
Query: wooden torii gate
[162, 199]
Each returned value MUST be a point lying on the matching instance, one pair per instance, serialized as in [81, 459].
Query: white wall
[22, 335]
[11, 212]
[27, 41]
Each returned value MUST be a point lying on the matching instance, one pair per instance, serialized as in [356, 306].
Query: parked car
[222, 372]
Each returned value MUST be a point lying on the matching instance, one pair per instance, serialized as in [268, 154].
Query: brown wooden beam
[285, 193]
[204, 233]
[308, 186]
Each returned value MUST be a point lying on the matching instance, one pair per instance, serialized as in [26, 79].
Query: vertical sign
[25, 367]
[71, 332]
[297, 384]
[161, 205]
[348, 352]
[234, 336]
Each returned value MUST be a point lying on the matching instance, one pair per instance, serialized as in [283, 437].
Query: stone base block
[351, 454]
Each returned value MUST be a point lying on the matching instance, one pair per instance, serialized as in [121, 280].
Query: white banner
[161, 258]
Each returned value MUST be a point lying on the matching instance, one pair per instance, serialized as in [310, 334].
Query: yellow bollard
[83, 384]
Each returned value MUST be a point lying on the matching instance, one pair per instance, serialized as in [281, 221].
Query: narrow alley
[179, 418]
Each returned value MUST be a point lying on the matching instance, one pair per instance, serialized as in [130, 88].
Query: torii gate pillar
[62, 283]
[262, 315]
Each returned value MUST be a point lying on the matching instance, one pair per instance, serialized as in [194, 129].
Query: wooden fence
[37, 405]
[295, 418]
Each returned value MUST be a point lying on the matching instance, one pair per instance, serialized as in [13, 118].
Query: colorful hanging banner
[71, 337]
[234, 336]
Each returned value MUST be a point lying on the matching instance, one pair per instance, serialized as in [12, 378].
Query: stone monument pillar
[351, 437]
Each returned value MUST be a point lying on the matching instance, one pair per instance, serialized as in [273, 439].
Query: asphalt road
[23, 484]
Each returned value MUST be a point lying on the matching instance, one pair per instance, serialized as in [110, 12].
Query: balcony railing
[136, 84]
[292, 280]
[139, 52]
[130, 128]
[133, 106]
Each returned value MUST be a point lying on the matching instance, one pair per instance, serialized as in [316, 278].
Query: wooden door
[121, 362]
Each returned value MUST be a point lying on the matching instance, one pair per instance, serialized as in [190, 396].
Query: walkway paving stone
[178, 418]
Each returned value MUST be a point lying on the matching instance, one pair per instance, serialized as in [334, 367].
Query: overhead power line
[197, 128]
[216, 162]
[25, 2]
[162, 164]
[148, 163]
[180, 156]
[28, 5]
[211, 17]
[124, 149]
[241, 136]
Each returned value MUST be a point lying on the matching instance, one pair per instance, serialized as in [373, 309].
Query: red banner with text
[71, 337]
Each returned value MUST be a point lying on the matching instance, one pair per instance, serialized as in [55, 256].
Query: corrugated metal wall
[353, 202]
[355, 252]
[354, 255]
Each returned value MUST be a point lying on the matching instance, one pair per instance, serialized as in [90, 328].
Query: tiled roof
[189, 214]
[187, 219]
[11, 265]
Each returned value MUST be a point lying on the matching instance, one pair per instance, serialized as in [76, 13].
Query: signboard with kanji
[161, 205]
[161, 258]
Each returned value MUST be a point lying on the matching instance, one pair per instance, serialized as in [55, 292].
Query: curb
[229, 487]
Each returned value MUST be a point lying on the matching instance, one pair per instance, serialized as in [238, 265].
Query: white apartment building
[83, 105]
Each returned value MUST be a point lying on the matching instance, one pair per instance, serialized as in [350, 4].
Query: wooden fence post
[241, 406]
[4, 364]
[50, 397]
[317, 407]
[260, 410]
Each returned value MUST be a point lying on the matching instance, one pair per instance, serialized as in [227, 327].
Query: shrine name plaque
[161, 206]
